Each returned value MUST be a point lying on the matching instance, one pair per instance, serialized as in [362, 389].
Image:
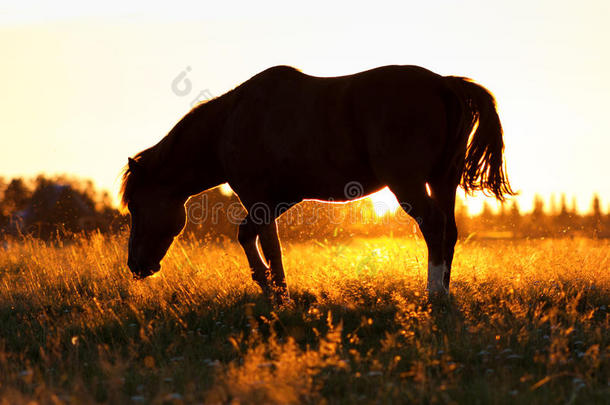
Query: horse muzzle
[140, 272]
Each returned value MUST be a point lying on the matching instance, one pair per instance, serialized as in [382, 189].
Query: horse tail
[479, 135]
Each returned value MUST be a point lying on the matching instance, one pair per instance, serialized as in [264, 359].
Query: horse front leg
[247, 237]
[272, 250]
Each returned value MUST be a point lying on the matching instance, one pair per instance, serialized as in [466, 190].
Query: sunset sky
[84, 87]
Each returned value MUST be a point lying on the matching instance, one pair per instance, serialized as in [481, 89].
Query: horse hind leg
[431, 220]
[444, 195]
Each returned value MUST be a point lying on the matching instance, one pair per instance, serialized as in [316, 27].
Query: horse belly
[327, 183]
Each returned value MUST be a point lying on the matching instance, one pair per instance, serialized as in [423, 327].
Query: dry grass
[527, 323]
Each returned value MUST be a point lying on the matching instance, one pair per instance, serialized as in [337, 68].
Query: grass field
[527, 323]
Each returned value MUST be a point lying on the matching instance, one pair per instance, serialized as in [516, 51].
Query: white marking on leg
[436, 274]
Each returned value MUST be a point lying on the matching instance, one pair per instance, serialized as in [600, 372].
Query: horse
[284, 136]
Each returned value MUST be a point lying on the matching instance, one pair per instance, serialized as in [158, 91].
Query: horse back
[301, 136]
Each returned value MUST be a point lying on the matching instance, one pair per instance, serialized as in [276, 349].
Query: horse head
[157, 217]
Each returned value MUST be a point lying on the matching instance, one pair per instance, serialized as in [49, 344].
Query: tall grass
[527, 323]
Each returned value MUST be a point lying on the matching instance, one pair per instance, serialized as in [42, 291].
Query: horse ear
[132, 164]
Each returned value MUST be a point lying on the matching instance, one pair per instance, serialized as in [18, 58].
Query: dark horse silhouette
[284, 136]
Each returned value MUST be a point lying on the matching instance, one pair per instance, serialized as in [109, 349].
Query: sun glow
[384, 202]
[226, 190]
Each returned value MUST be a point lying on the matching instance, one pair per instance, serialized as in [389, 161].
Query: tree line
[55, 208]
[61, 207]
[547, 219]
[317, 220]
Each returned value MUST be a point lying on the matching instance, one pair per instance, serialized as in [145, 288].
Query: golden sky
[83, 87]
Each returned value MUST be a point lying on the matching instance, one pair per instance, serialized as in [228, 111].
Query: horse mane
[147, 160]
[150, 157]
[129, 180]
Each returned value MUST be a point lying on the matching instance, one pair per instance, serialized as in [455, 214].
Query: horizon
[383, 202]
[102, 81]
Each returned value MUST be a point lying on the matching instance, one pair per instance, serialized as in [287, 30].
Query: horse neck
[189, 153]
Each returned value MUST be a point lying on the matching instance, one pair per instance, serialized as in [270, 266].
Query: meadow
[527, 322]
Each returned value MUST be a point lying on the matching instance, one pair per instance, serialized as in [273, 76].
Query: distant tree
[574, 206]
[487, 214]
[596, 206]
[537, 218]
[563, 211]
[16, 197]
[595, 221]
[57, 207]
[514, 218]
[213, 215]
[576, 221]
[538, 210]
[562, 222]
[553, 205]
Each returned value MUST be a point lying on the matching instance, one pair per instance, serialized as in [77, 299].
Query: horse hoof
[435, 290]
[282, 298]
[286, 303]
